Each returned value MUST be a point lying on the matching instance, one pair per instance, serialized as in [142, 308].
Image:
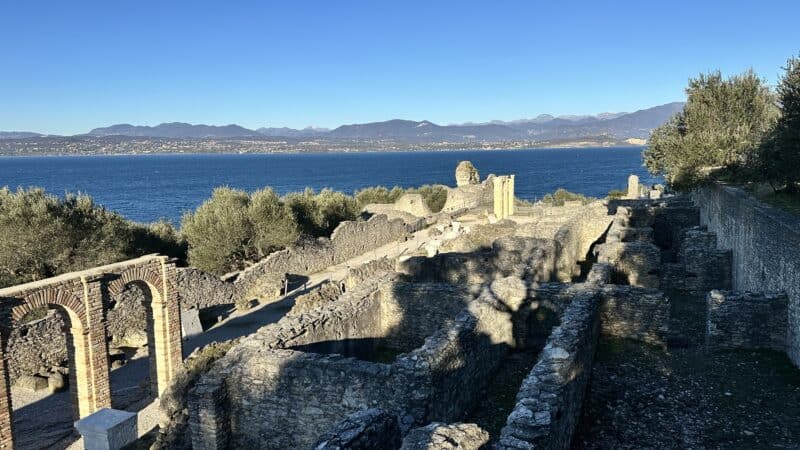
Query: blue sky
[67, 67]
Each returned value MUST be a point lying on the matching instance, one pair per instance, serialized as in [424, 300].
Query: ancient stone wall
[549, 401]
[441, 436]
[348, 240]
[410, 312]
[746, 320]
[764, 244]
[367, 429]
[37, 345]
[635, 313]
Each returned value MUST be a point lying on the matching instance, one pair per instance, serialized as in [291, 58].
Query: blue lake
[147, 187]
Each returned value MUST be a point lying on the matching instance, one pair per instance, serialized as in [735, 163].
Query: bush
[319, 214]
[378, 194]
[561, 195]
[615, 194]
[42, 235]
[274, 225]
[435, 196]
[722, 124]
[779, 158]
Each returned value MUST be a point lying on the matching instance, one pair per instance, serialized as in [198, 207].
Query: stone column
[172, 322]
[633, 186]
[498, 197]
[6, 424]
[511, 195]
[96, 344]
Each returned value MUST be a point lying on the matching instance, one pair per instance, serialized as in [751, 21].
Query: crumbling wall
[746, 320]
[37, 346]
[198, 289]
[764, 243]
[348, 240]
[367, 429]
[410, 312]
[636, 313]
[549, 402]
[441, 436]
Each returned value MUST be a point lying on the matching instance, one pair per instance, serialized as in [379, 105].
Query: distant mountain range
[542, 128]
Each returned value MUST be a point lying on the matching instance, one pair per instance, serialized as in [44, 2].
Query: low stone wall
[198, 289]
[362, 430]
[349, 239]
[764, 243]
[576, 238]
[37, 346]
[549, 402]
[636, 313]
[746, 320]
[700, 265]
[509, 256]
[410, 312]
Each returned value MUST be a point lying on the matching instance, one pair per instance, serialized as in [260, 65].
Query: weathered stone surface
[549, 400]
[746, 320]
[633, 186]
[466, 174]
[190, 323]
[108, 429]
[636, 313]
[32, 383]
[362, 430]
[440, 436]
[413, 204]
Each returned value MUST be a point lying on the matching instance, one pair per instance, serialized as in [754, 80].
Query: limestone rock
[33, 383]
[439, 436]
[56, 382]
[412, 204]
[466, 174]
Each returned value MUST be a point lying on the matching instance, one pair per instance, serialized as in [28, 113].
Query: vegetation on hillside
[561, 195]
[435, 196]
[735, 129]
[42, 235]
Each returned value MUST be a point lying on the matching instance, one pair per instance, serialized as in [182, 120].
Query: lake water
[147, 187]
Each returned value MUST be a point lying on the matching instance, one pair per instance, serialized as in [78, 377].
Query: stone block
[107, 429]
[33, 383]
[190, 323]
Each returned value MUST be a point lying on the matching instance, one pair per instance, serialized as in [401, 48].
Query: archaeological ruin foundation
[495, 323]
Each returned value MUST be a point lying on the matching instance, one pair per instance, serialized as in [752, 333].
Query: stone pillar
[633, 186]
[6, 424]
[167, 326]
[96, 347]
[511, 195]
[498, 197]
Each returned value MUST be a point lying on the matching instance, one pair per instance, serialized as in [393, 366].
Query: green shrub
[219, 232]
[779, 157]
[616, 194]
[378, 194]
[435, 196]
[319, 214]
[42, 235]
[274, 226]
[561, 195]
[722, 124]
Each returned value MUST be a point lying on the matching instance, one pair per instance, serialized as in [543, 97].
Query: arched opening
[46, 400]
[137, 308]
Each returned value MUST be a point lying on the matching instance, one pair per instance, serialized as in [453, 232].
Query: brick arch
[52, 297]
[151, 277]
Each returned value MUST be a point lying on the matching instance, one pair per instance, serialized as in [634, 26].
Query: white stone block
[107, 429]
[190, 323]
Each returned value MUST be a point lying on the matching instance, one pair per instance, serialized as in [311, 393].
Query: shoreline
[328, 152]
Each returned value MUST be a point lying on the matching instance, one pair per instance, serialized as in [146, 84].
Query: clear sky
[69, 66]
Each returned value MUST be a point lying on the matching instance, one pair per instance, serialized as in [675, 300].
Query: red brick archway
[82, 295]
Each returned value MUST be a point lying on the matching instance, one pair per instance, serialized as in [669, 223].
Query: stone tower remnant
[466, 174]
[503, 196]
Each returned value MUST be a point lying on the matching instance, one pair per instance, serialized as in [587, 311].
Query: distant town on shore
[544, 131]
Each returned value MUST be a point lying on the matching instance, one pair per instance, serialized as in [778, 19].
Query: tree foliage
[722, 124]
[42, 235]
[779, 161]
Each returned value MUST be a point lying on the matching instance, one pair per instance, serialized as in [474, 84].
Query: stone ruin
[466, 174]
[402, 358]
